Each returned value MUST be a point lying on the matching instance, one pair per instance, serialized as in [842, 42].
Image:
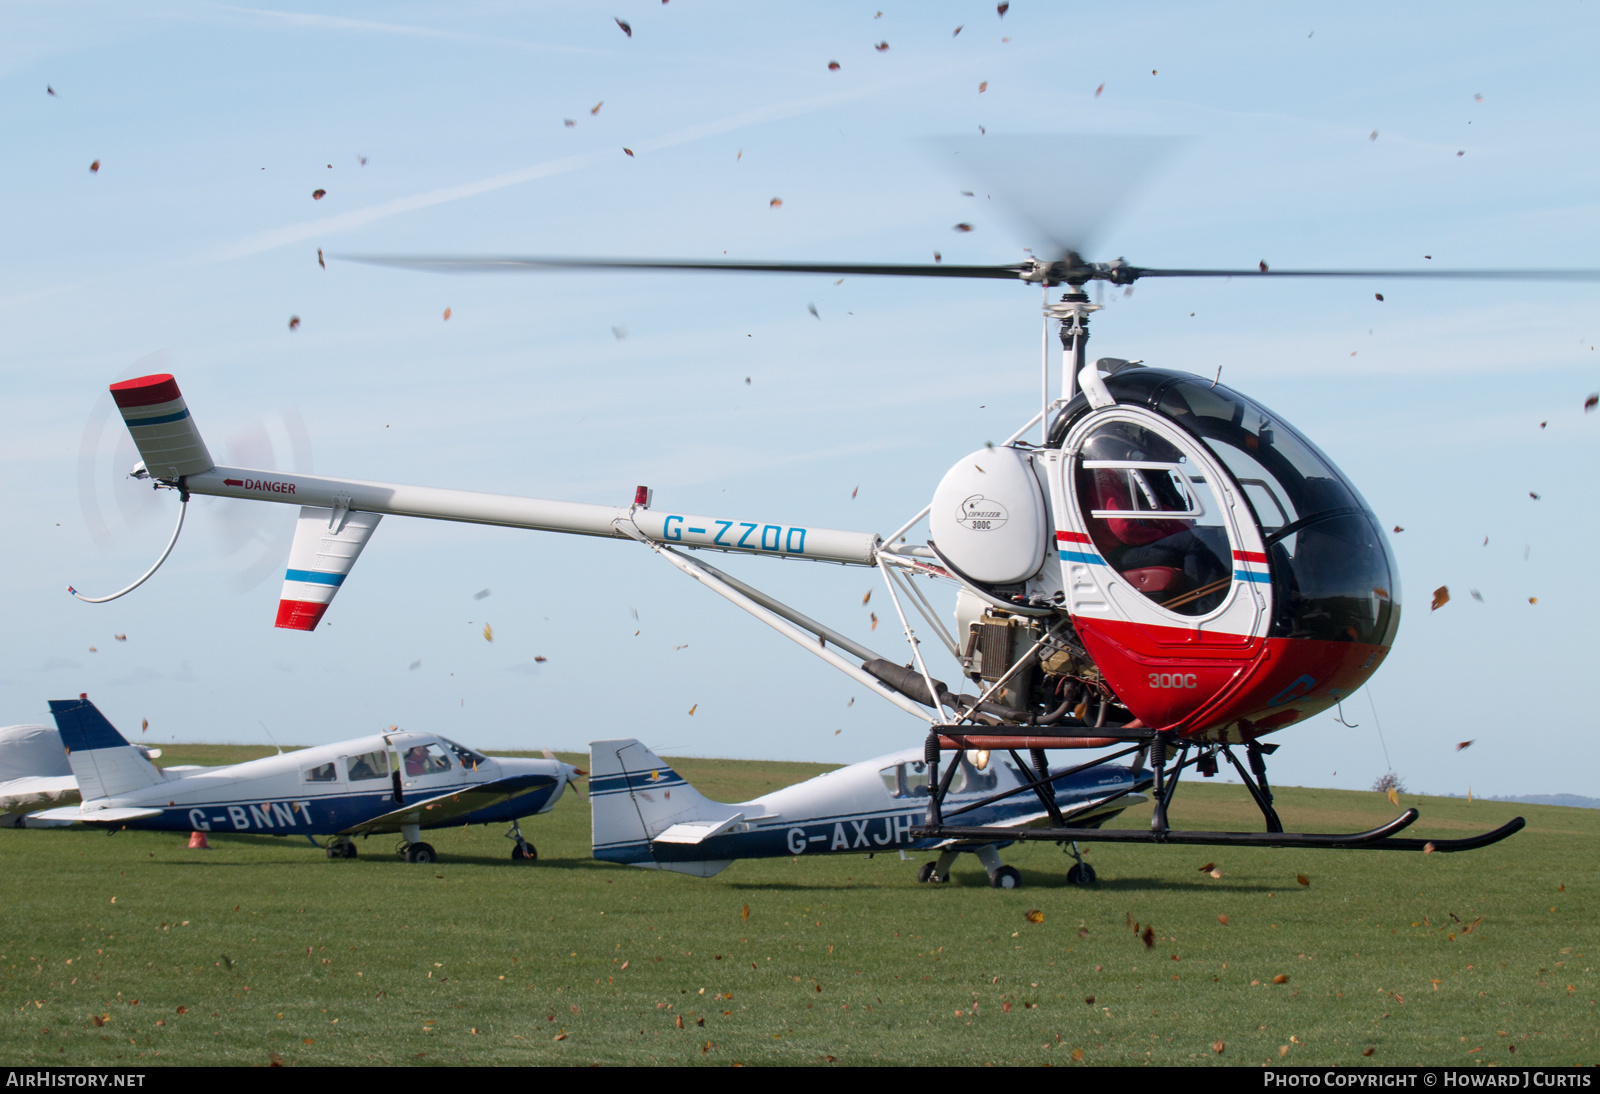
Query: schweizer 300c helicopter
[1167, 570]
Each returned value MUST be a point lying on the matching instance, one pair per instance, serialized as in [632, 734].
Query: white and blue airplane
[645, 813]
[390, 782]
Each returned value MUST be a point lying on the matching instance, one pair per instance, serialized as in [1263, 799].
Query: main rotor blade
[525, 264]
[1133, 273]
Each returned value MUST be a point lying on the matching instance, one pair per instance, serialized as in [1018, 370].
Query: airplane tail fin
[646, 814]
[103, 762]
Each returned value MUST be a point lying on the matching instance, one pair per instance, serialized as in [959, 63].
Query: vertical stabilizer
[103, 762]
[635, 797]
[327, 543]
[158, 419]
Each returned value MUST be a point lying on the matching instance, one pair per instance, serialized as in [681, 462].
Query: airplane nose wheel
[1082, 873]
[521, 849]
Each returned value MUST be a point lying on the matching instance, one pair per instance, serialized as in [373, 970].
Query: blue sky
[195, 242]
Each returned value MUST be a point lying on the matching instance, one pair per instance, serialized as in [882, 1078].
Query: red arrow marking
[232, 482]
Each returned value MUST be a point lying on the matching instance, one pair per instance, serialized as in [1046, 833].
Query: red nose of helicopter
[1226, 579]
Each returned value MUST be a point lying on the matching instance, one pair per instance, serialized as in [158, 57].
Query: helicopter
[1167, 569]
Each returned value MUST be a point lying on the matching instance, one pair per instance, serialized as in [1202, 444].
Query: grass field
[132, 949]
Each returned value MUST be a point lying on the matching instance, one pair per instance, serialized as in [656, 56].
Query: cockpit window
[428, 759]
[1154, 518]
[1332, 574]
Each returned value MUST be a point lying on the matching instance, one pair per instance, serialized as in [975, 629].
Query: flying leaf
[1379, 295]
[294, 322]
[984, 86]
[1003, 8]
[1465, 744]
[679, 1021]
[954, 34]
[874, 620]
[48, 90]
[1398, 529]
[1428, 848]
[144, 725]
[94, 168]
[1591, 402]
[321, 263]
[775, 203]
[1281, 978]
[867, 597]
[480, 594]
[1208, 867]
[629, 151]
[1148, 938]
[1372, 137]
[1302, 879]
[833, 66]
[693, 709]
[1367, 1052]
[1394, 797]
[854, 492]
[1533, 600]
[1222, 919]
[881, 47]
[447, 315]
[318, 195]
[595, 109]
[937, 257]
[626, 29]
[1217, 1046]
[1476, 595]
[812, 308]
[962, 227]
[1533, 495]
[488, 633]
[1441, 597]
[569, 123]
[744, 913]
[1263, 265]
[1098, 90]
[1033, 915]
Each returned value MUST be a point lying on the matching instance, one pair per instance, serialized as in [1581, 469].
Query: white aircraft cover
[33, 769]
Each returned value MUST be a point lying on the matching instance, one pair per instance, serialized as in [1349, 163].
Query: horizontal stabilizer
[103, 762]
[447, 808]
[158, 419]
[697, 831]
[327, 543]
[95, 816]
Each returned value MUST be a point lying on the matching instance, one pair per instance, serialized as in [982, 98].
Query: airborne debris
[626, 29]
[316, 195]
[1441, 597]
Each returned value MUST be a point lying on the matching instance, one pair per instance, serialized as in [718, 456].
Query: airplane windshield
[469, 759]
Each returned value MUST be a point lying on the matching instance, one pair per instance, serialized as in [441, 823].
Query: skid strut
[1166, 770]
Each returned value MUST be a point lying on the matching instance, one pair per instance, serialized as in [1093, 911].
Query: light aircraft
[645, 814]
[1166, 567]
[394, 782]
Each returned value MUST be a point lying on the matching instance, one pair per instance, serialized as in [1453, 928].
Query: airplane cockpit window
[1154, 518]
[322, 773]
[910, 780]
[1332, 575]
[469, 759]
[368, 765]
[422, 760]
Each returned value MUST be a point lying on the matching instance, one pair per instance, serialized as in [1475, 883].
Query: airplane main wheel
[349, 850]
[525, 853]
[926, 873]
[421, 852]
[1006, 878]
[1081, 875]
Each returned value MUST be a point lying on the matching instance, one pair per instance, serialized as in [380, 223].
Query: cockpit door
[1155, 534]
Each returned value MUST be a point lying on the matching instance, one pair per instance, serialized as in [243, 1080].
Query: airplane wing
[95, 816]
[1089, 814]
[432, 812]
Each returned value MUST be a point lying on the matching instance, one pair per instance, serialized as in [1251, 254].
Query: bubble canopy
[1333, 576]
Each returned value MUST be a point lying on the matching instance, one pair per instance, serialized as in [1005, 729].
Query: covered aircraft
[387, 783]
[646, 814]
[34, 774]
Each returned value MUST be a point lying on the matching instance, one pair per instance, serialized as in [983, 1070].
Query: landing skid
[1158, 749]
